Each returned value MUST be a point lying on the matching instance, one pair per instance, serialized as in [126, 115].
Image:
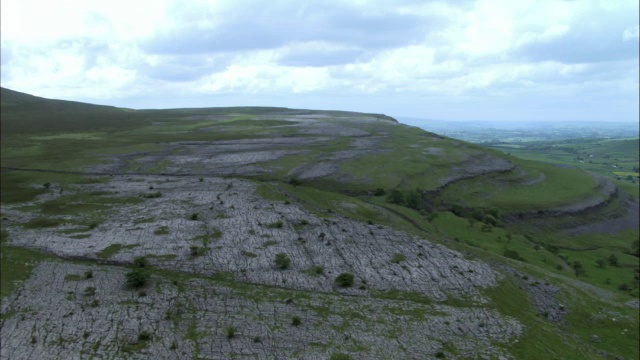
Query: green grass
[513, 193]
[614, 158]
[541, 339]
[42, 222]
[16, 266]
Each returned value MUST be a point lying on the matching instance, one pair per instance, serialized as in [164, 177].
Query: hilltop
[258, 232]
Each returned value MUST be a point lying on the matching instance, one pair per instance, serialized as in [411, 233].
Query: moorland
[255, 232]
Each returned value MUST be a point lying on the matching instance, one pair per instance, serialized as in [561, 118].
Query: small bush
[140, 261]
[512, 254]
[379, 192]
[144, 336]
[578, 268]
[194, 217]
[231, 332]
[276, 225]
[294, 181]
[398, 258]
[283, 261]
[624, 287]
[88, 274]
[296, 321]
[486, 228]
[162, 230]
[137, 278]
[318, 270]
[613, 260]
[196, 250]
[249, 254]
[89, 291]
[345, 279]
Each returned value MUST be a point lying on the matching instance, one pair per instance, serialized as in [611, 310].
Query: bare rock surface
[57, 315]
[241, 233]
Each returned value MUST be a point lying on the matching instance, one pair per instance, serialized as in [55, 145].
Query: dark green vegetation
[491, 206]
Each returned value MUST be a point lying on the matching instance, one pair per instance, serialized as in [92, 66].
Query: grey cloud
[595, 39]
[183, 68]
[261, 26]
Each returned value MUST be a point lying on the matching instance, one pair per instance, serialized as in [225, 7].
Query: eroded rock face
[235, 238]
[241, 233]
[55, 316]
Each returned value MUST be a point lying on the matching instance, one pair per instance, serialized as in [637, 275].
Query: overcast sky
[448, 60]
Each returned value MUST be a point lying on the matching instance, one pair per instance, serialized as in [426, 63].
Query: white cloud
[487, 49]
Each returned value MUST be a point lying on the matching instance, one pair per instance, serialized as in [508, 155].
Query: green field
[615, 158]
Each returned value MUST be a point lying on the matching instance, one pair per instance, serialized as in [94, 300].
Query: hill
[258, 232]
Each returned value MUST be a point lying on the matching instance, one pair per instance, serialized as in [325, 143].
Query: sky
[526, 60]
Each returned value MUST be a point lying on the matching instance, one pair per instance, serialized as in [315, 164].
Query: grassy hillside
[210, 196]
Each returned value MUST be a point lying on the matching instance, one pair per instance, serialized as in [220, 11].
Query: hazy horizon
[456, 61]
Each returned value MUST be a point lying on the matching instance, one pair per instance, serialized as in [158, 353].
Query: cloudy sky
[448, 60]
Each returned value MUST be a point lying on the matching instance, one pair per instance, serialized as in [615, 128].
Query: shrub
[318, 270]
[398, 258]
[296, 321]
[197, 250]
[613, 260]
[379, 192]
[137, 278]
[140, 261]
[283, 261]
[89, 291]
[294, 181]
[194, 216]
[162, 230]
[578, 269]
[396, 197]
[624, 287]
[276, 225]
[231, 332]
[601, 263]
[144, 336]
[88, 274]
[345, 279]
[512, 254]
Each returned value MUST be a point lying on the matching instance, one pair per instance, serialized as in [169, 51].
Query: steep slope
[210, 198]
